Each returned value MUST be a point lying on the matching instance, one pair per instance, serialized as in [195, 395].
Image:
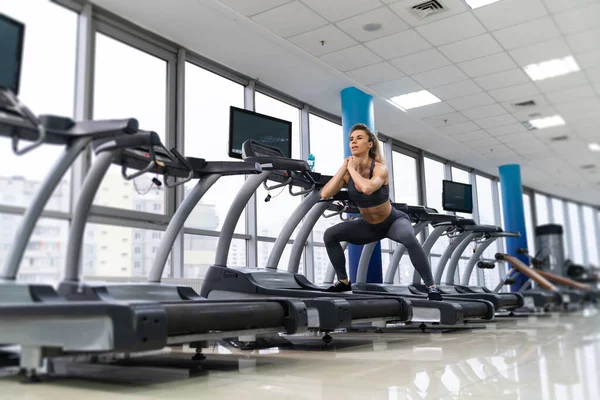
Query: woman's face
[359, 143]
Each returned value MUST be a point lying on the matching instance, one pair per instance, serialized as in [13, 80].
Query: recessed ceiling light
[479, 3]
[594, 146]
[546, 122]
[415, 99]
[551, 68]
[372, 27]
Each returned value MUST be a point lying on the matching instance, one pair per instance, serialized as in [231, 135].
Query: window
[208, 98]
[406, 186]
[591, 236]
[264, 250]
[529, 223]
[129, 83]
[51, 33]
[272, 215]
[576, 240]
[434, 175]
[321, 261]
[44, 258]
[541, 209]
[326, 144]
[558, 215]
[485, 203]
[103, 256]
[200, 251]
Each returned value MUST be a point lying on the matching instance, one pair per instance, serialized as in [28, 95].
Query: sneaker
[433, 293]
[339, 287]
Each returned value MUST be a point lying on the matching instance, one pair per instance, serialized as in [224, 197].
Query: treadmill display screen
[457, 197]
[11, 50]
[244, 125]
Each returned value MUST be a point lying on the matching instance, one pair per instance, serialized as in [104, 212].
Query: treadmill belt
[362, 309]
[473, 310]
[196, 318]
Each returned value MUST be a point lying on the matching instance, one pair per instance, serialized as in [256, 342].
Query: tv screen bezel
[233, 110]
[446, 182]
[20, 50]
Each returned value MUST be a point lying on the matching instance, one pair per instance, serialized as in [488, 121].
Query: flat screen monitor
[12, 34]
[457, 197]
[244, 125]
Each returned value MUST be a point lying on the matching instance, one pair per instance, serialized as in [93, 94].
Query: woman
[366, 176]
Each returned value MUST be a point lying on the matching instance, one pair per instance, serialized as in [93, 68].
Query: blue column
[357, 107]
[514, 215]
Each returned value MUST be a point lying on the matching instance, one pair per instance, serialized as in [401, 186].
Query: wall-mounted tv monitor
[457, 197]
[12, 34]
[244, 125]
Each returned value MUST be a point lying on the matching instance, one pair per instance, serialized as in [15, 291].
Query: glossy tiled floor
[528, 358]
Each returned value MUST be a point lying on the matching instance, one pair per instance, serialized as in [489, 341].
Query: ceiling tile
[539, 100]
[440, 76]
[451, 29]
[589, 59]
[487, 65]
[431, 110]
[396, 87]
[398, 45]
[507, 129]
[498, 120]
[502, 79]
[334, 39]
[584, 41]
[446, 119]
[487, 142]
[472, 48]
[249, 8]
[569, 95]
[351, 58]
[458, 128]
[390, 23]
[547, 133]
[526, 34]
[562, 82]
[458, 89]
[522, 137]
[593, 74]
[421, 62]
[484, 112]
[375, 73]
[527, 114]
[579, 19]
[471, 101]
[514, 92]
[336, 10]
[279, 21]
[536, 53]
[468, 136]
[509, 12]
[403, 9]
[579, 110]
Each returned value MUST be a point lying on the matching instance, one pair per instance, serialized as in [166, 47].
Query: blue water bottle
[311, 162]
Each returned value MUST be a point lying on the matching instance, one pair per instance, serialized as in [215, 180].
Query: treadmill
[324, 314]
[462, 231]
[226, 282]
[534, 299]
[449, 312]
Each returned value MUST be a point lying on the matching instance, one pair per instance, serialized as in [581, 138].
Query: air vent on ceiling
[428, 8]
[559, 138]
[523, 104]
[588, 166]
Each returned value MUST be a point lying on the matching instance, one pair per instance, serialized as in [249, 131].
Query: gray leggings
[396, 226]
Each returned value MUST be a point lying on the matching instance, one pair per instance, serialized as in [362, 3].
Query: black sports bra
[368, 200]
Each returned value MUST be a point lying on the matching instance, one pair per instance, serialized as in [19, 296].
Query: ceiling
[470, 59]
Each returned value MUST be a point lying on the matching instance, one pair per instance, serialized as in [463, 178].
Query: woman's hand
[352, 162]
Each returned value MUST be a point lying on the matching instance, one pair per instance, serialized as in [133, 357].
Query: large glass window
[46, 87]
[575, 232]
[406, 186]
[326, 144]
[558, 215]
[434, 175]
[208, 98]
[591, 236]
[541, 209]
[200, 251]
[462, 176]
[485, 203]
[529, 223]
[130, 83]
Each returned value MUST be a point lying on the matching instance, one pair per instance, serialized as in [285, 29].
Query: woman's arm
[336, 183]
[369, 186]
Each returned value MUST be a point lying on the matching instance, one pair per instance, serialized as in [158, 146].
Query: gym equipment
[550, 248]
[225, 282]
[446, 312]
